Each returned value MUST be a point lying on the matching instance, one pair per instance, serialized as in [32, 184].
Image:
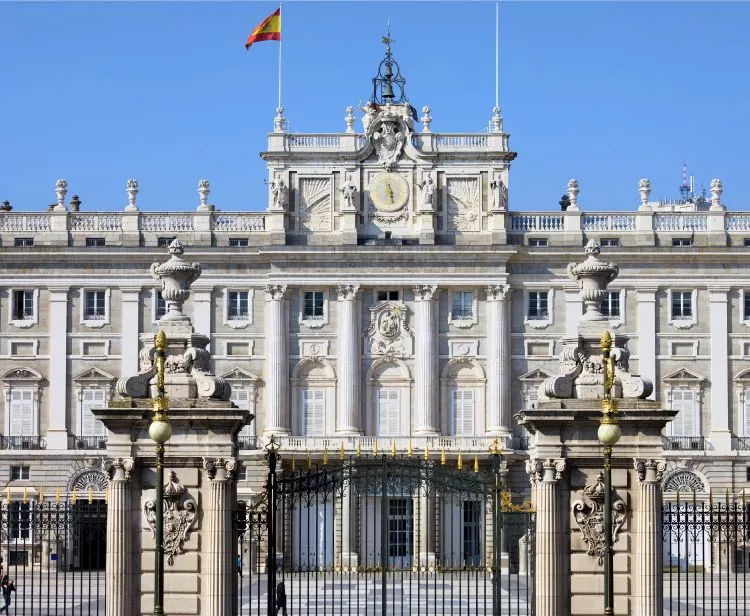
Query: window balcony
[366, 444]
[91, 442]
[522, 443]
[741, 443]
[683, 443]
[248, 442]
[22, 442]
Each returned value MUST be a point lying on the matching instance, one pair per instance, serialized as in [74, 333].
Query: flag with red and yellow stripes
[268, 30]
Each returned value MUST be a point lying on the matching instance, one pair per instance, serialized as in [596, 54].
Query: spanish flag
[268, 30]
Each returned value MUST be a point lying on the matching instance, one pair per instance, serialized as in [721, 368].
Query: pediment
[22, 374]
[743, 375]
[684, 375]
[93, 374]
[535, 375]
[238, 374]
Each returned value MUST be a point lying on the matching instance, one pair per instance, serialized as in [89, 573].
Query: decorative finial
[644, 187]
[61, 188]
[175, 247]
[132, 189]
[716, 189]
[279, 120]
[349, 119]
[426, 119]
[573, 194]
[204, 189]
[592, 248]
[495, 448]
[497, 120]
[606, 341]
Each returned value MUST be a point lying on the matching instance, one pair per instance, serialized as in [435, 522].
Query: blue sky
[165, 92]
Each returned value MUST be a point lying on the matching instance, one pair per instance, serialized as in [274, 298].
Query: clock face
[389, 192]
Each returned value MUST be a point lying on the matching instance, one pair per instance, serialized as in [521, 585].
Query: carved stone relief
[589, 515]
[388, 333]
[315, 203]
[464, 202]
[180, 516]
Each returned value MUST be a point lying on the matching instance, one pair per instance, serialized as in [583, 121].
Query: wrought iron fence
[54, 552]
[706, 548]
[683, 443]
[386, 535]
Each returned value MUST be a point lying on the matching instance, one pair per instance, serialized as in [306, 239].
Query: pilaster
[721, 435]
[647, 335]
[648, 539]
[349, 556]
[202, 306]
[120, 541]
[498, 360]
[129, 328]
[277, 361]
[348, 417]
[57, 432]
[426, 361]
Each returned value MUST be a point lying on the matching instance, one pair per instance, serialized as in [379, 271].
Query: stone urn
[176, 276]
[593, 275]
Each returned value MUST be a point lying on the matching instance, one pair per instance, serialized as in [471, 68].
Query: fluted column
[218, 538]
[426, 361]
[648, 539]
[277, 361]
[119, 559]
[498, 360]
[348, 416]
[549, 583]
[349, 557]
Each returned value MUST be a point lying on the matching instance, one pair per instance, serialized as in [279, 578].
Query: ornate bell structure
[388, 86]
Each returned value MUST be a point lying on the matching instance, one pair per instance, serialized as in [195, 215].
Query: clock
[389, 192]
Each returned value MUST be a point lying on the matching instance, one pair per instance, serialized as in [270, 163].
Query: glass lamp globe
[609, 434]
[160, 431]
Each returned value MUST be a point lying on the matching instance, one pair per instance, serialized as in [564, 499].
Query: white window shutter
[389, 412]
[241, 397]
[747, 412]
[313, 412]
[90, 425]
[462, 412]
[683, 401]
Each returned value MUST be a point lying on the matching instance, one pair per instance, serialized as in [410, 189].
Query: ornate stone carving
[463, 200]
[225, 466]
[347, 291]
[573, 191]
[315, 204]
[180, 516]
[279, 194]
[120, 468]
[593, 276]
[716, 189]
[589, 515]
[91, 479]
[499, 194]
[279, 120]
[387, 131]
[275, 291]
[497, 120]
[203, 190]
[427, 189]
[684, 481]
[647, 468]
[644, 187]
[498, 292]
[349, 119]
[388, 332]
[424, 292]
[131, 188]
[426, 119]
[61, 188]
[539, 470]
[176, 276]
[349, 193]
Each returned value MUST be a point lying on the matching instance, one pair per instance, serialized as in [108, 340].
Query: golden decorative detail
[606, 340]
[426, 452]
[460, 463]
[341, 450]
[495, 448]
[359, 448]
[74, 497]
[507, 505]
[442, 457]
[25, 495]
[375, 447]
[91, 495]
[393, 447]
[609, 406]
[41, 497]
[409, 450]
[325, 455]
[8, 491]
[57, 495]
[476, 463]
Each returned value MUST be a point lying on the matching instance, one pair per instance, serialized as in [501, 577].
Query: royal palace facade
[390, 295]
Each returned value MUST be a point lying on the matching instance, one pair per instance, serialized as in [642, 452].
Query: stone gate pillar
[546, 476]
[648, 551]
[119, 560]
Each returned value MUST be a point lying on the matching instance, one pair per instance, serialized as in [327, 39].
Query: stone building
[391, 289]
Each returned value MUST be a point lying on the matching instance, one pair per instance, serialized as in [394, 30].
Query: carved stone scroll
[589, 515]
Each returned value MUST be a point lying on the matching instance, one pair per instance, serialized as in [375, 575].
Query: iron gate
[385, 535]
[54, 551]
[706, 552]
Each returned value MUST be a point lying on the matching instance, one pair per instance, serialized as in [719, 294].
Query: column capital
[425, 292]
[347, 292]
[275, 291]
[119, 468]
[498, 292]
[649, 471]
[220, 469]
[549, 470]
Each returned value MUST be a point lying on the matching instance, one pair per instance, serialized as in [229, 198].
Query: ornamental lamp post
[160, 432]
[609, 433]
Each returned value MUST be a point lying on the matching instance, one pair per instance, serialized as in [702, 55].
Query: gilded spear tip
[161, 340]
[606, 340]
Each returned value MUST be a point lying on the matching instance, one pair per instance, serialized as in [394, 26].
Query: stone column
[721, 434]
[549, 583]
[424, 541]
[277, 361]
[349, 558]
[129, 330]
[219, 549]
[498, 360]
[202, 307]
[648, 548]
[647, 335]
[57, 431]
[120, 540]
[426, 420]
[349, 414]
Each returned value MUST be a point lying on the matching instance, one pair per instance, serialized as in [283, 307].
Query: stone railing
[238, 222]
[680, 222]
[537, 222]
[609, 222]
[33, 223]
[95, 222]
[350, 142]
[165, 222]
[366, 444]
[314, 142]
[461, 142]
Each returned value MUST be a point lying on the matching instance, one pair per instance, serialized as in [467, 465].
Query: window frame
[233, 321]
[239, 242]
[313, 322]
[397, 291]
[536, 322]
[610, 242]
[23, 242]
[399, 411]
[21, 468]
[165, 241]
[461, 321]
[318, 399]
[96, 242]
[98, 429]
[619, 320]
[453, 411]
[683, 322]
[30, 321]
[89, 322]
[538, 242]
[682, 242]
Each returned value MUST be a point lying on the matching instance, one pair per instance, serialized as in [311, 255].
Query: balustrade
[24, 222]
[238, 222]
[95, 222]
[609, 222]
[166, 222]
[680, 222]
[537, 222]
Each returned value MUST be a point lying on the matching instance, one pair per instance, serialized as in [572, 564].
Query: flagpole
[280, 41]
[497, 54]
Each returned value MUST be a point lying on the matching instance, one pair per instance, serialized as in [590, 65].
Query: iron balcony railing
[248, 442]
[683, 443]
[741, 443]
[23, 442]
[91, 442]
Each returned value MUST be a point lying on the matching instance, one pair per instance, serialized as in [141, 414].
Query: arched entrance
[89, 520]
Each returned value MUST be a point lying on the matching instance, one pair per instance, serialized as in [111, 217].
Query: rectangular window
[19, 473]
[746, 242]
[19, 521]
[746, 305]
[747, 478]
[313, 412]
[462, 412]
[538, 308]
[94, 242]
[610, 306]
[538, 242]
[161, 306]
[90, 425]
[682, 305]
[683, 401]
[388, 412]
[238, 305]
[238, 348]
[747, 411]
[241, 397]
[400, 532]
[313, 308]
[388, 296]
[610, 242]
[23, 305]
[95, 306]
[21, 412]
[164, 242]
[682, 241]
[462, 306]
[98, 349]
[472, 535]
[19, 242]
[238, 242]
